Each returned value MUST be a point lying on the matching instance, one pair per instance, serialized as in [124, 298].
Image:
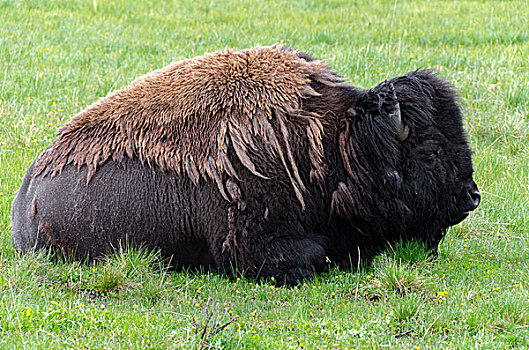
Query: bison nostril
[475, 195]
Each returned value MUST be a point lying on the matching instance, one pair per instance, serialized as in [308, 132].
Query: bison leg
[284, 253]
[287, 260]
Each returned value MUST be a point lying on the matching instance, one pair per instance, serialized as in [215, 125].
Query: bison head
[436, 160]
[408, 148]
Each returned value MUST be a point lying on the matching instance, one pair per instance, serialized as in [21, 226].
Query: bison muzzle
[263, 160]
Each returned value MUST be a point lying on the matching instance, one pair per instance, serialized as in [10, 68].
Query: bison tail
[23, 212]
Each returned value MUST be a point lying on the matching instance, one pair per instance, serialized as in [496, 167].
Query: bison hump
[187, 117]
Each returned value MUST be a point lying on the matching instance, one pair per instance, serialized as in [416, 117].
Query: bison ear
[402, 130]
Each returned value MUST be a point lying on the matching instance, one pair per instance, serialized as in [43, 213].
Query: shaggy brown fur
[182, 117]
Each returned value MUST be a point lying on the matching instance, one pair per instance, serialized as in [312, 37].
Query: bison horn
[403, 130]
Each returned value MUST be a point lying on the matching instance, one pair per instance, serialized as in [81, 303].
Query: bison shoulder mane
[185, 117]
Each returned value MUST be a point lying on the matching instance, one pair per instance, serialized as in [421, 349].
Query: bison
[263, 160]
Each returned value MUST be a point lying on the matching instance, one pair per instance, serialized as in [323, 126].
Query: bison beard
[262, 159]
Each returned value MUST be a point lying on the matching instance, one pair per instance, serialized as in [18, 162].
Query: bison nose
[475, 195]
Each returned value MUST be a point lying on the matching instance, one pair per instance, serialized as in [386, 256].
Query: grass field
[58, 56]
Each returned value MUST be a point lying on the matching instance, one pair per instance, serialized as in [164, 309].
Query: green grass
[58, 56]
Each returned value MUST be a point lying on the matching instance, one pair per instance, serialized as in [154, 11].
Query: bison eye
[428, 159]
[431, 156]
[427, 155]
